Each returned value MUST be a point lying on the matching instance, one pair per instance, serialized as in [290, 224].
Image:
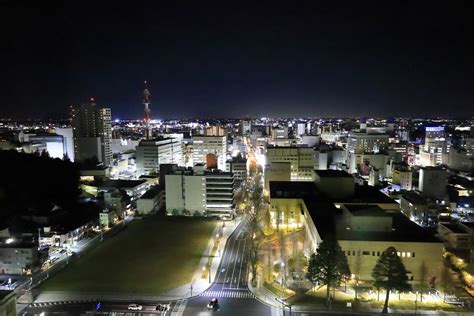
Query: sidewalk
[267, 297]
[262, 294]
[199, 284]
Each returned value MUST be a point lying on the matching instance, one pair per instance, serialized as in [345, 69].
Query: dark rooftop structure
[403, 229]
[332, 173]
[366, 210]
[126, 184]
[152, 192]
[292, 189]
[454, 228]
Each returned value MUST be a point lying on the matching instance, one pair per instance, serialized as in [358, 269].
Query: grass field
[152, 255]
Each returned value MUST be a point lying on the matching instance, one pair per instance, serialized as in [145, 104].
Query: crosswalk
[42, 304]
[230, 294]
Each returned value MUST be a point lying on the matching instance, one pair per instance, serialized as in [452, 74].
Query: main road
[230, 284]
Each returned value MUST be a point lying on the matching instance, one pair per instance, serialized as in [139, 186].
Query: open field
[152, 255]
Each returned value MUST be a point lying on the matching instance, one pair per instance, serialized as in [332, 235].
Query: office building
[150, 154]
[301, 160]
[215, 131]
[360, 147]
[245, 127]
[435, 150]
[403, 176]
[210, 148]
[92, 131]
[238, 166]
[199, 192]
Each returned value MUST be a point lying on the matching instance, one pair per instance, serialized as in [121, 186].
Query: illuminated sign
[435, 129]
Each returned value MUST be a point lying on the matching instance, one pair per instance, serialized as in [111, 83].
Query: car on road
[162, 307]
[135, 307]
[213, 304]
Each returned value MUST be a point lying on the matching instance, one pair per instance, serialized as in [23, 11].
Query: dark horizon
[315, 60]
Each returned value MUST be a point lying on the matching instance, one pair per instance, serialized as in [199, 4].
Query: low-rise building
[364, 230]
[455, 236]
[152, 201]
[18, 256]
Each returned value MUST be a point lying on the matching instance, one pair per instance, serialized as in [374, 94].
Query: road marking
[245, 294]
[240, 270]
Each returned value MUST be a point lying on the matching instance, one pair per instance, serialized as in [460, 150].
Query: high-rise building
[435, 150]
[301, 129]
[205, 147]
[92, 130]
[150, 154]
[245, 127]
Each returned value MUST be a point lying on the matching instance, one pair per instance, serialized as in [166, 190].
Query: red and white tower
[147, 116]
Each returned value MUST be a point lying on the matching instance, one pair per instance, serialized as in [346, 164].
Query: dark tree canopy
[389, 273]
[33, 180]
[328, 265]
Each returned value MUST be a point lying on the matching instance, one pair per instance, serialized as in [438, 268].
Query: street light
[416, 301]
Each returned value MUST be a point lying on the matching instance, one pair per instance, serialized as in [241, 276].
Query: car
[135, 307]
[162, 307]
[213, 304]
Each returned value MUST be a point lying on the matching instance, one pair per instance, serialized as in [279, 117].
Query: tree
[255, 242]
[328, 265]
[390, 273]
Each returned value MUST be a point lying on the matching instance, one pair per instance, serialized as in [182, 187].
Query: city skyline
[210, 61]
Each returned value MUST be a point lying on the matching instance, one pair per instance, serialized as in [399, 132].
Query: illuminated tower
[146, 118]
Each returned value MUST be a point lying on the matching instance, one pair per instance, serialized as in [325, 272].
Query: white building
[196, 192]
[151, 201]
[150, 154]
[68, 140]
[301, 160]
[18, 257]
[435, 150]
[210, 145]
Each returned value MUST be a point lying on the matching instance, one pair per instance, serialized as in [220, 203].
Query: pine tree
[390, 273]
[328, 265]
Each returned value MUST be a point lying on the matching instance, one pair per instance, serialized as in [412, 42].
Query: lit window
[398, 253]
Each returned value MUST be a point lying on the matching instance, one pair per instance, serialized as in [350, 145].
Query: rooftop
[151, 193]
[403, 230]
[367, 210]
[332, 174]
[291, 189]
[454, 228]
[127, 184]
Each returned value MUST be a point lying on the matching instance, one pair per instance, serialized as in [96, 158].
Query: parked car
[162, 307]
[135, 307]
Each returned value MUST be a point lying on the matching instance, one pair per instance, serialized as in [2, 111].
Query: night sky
[366, 59]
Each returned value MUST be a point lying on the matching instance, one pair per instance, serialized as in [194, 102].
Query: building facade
[150, 154]
[92, 132]
[203, 146]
